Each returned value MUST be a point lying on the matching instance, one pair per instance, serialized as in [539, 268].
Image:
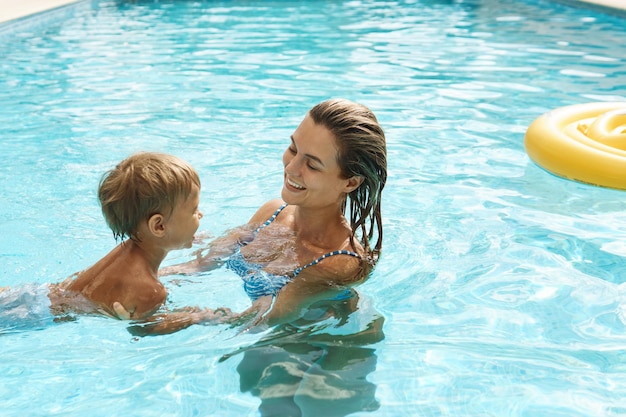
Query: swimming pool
[501, 290]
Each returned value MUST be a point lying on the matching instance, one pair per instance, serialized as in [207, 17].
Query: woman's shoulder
[266, 211]
[337, 268]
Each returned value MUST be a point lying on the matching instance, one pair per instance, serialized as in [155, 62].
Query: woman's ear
[354, 183]
[156, 225]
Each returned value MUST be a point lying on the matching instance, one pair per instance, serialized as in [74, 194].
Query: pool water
[501, 290]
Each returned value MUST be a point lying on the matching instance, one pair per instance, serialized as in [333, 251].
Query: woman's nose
[292, 164]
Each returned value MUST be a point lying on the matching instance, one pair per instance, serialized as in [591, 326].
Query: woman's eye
[292, 150]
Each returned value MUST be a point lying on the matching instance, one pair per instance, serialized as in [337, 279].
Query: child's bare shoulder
[141, 297]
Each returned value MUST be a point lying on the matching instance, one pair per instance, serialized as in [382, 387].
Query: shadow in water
[317, 366]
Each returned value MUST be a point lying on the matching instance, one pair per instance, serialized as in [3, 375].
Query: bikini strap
[271, 219]
[324, 256]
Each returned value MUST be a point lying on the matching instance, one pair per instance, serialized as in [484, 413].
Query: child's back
[125, 276]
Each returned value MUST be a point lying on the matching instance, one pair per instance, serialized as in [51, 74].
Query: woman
[326, 232]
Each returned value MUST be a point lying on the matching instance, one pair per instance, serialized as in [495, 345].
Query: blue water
[501, 290]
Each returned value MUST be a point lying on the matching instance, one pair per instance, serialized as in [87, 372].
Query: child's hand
[120, 311]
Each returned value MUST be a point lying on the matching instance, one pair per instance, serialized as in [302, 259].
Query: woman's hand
[217, 316]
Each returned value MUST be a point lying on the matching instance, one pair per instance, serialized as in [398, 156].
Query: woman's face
[312, 176]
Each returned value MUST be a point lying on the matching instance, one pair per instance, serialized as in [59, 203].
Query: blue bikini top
[257, 282]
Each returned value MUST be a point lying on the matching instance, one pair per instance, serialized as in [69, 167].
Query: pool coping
[14, 10]
[612, 7]
[11, 10]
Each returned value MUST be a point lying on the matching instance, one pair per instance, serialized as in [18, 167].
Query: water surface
[501, 287]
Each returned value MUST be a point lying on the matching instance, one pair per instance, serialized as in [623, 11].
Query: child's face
[184, 221]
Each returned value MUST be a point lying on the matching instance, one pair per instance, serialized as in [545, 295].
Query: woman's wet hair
[362, 152]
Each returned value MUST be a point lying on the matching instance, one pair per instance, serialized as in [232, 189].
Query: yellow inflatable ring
[583, 142]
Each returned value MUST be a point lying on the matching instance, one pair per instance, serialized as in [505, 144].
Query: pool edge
[611, 7]
[13, 10]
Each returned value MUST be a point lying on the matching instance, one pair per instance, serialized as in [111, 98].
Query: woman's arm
[171, 322]
[321, 282]
[224, 246]
[289, 305]
[211, 257]
[174, 321]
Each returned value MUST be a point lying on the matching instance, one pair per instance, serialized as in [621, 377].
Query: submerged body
[35, 306]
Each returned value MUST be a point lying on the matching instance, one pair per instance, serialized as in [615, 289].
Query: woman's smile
[293, 184]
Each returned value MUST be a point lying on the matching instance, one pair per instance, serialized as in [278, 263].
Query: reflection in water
[317, 366]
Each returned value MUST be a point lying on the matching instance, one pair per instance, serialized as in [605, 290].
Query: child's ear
[354, 183]
[156, 225]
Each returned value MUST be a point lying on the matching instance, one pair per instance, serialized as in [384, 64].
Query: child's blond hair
[142, 185]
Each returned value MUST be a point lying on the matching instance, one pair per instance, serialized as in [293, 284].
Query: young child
[149, 198]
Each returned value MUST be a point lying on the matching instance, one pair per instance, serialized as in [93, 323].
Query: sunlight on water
[501, 290]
